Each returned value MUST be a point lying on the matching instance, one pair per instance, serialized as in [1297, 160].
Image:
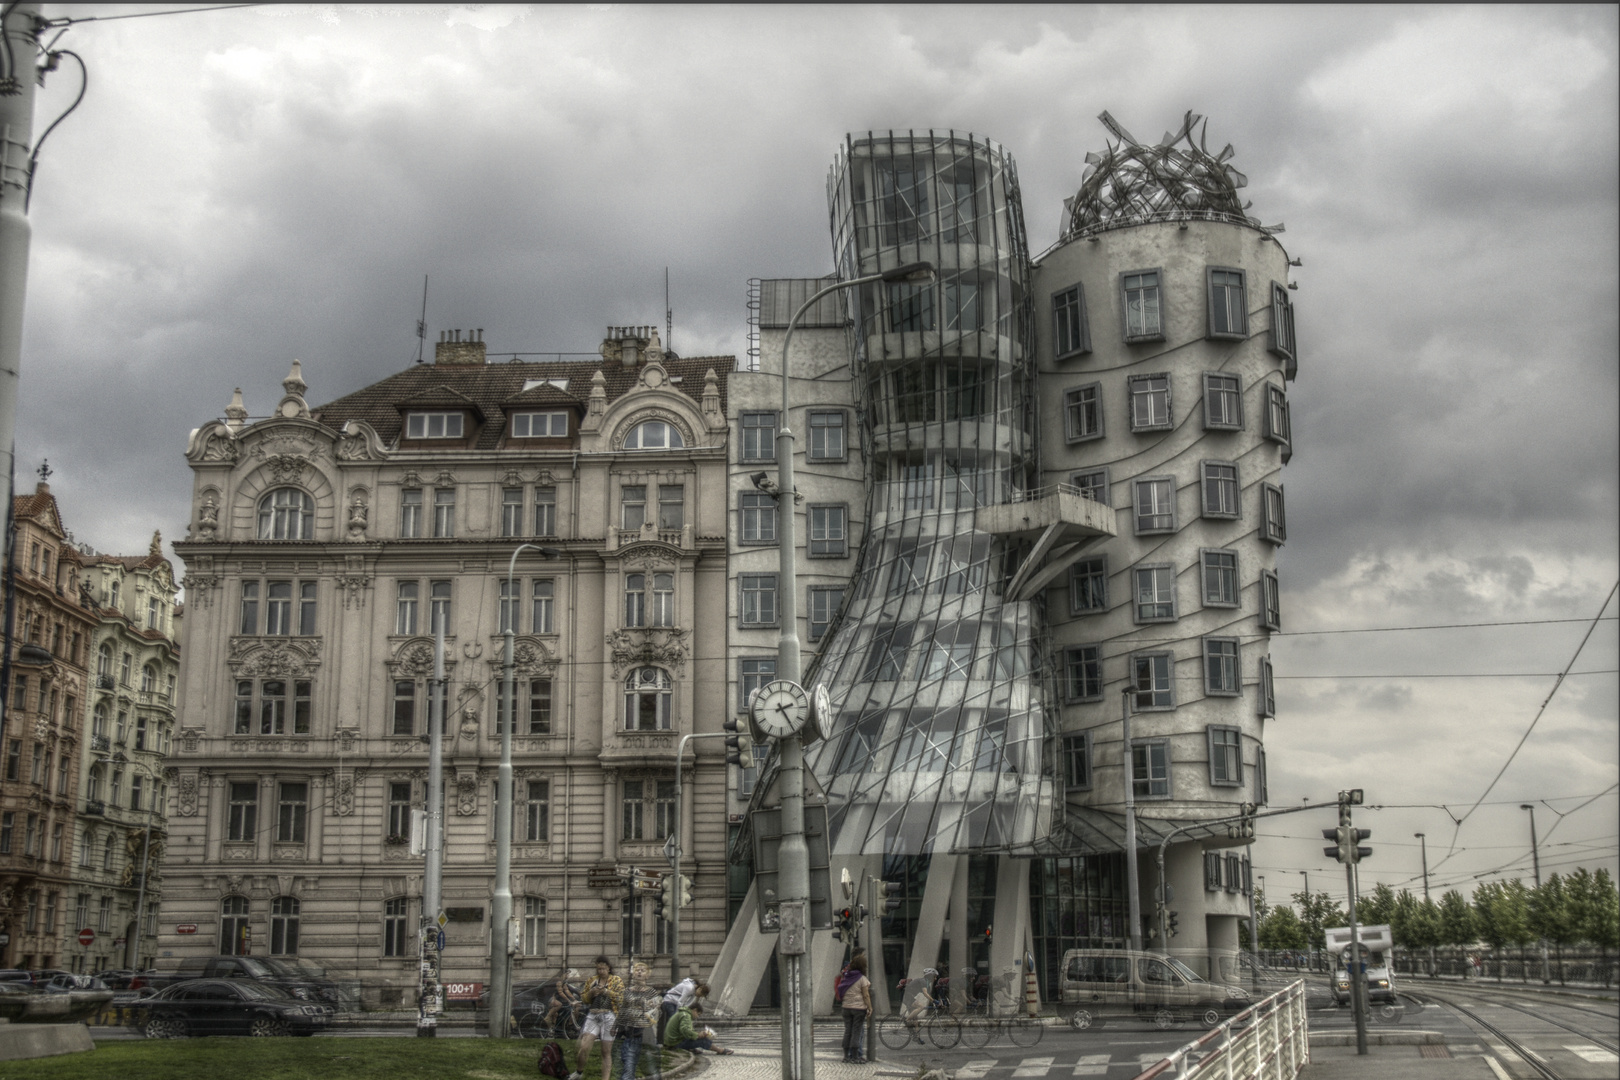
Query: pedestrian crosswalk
[765, 1042]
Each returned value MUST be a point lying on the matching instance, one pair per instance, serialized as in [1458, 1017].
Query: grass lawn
[299, 1059]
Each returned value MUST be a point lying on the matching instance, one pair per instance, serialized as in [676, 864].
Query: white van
[1378, 944]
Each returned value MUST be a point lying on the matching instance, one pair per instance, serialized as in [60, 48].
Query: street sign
[5, 939]
[120, 941]
[670, 850]
[443, 918]
[441, 941]
[463, 991]
[86, 936]
[186, 928]
[604, 879]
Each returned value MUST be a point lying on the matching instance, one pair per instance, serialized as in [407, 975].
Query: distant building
[327, 543]
[129, 722]
[51, 622]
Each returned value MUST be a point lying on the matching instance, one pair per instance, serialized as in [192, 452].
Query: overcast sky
[243, 187]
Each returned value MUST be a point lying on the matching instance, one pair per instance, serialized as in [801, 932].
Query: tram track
[1607, 1044]
[1525, 1053]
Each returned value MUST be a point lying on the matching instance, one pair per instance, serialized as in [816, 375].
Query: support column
[961, 947]
[738, 984]
[1007, 933]
[936, 899]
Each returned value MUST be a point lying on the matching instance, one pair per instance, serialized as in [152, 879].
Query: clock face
[780, 708]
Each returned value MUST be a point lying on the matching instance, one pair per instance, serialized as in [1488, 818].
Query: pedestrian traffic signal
[888, 896]
[844, 924]
[683, 891]
[733, 742]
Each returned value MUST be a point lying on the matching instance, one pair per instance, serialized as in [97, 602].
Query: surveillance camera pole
[793, 858]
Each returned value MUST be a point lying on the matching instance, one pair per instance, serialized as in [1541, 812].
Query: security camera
[763, 481]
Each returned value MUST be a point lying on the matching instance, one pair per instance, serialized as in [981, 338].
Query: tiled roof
[491, 386]
[544, 394]
[128, 562]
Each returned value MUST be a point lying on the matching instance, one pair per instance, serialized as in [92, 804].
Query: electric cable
[33, 158]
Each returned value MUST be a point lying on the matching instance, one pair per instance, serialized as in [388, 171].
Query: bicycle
[979, 1028]
[901, 1030]
[534, 1025]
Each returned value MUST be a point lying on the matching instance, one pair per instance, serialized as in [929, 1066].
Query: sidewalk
[1393, 1063]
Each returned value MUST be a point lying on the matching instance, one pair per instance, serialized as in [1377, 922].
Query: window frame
[635, 688]
[1077, 480]
[550, 415]
[444, 513]
[541, 709]
[1270, 601]
[274, 519]
[1162, 746]
[1236, 482]
[759, 589]
[427, 416]
[534, 926]
[1146, 378]
[396, 927]
[632, 497]
[1142, 483]
[1277, 423]
[1155, 569]
[1280, 340]
[1076, 750]
[1162, 310]
[511, 512]
[1215, 658]
[1273, 514]
[748, 427]
[1266, 691]
[1074, 657]
[634, 438]
[1204, 572]
[749, 681]
[832, 610]
[545, 510]
[1080, 327]
[412, 506]
[833, 547]
[536, 811]
[1224, 754]
[665, 502]
[842, 428]
[1073, 408]
[1211, 424]
[292, 814]
[762, 510]
[1241, 333]
[543, 605]
[1169, 689]
[1083, 568]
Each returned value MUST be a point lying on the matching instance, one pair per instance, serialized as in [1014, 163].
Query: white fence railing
[1274, 1043]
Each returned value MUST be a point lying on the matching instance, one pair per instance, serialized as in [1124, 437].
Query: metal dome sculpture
[1131, 183]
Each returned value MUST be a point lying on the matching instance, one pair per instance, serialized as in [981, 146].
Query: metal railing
[1274, 1044]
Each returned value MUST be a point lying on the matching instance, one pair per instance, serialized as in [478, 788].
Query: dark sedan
[229, 1007]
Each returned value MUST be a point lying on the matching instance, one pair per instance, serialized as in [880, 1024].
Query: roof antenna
[669, 317]
[421, 324]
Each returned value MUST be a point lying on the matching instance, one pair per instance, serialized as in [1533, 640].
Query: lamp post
[132, 947]
[1133, 890]
[1423, 845]
[1535, 864]
[793, 857]
[675, 860]
[500, 913]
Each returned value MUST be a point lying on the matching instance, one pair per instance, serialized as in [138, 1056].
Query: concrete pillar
[742, 962]
[1008, 932]
[1223, 949]
[936, 900]
[961, 952]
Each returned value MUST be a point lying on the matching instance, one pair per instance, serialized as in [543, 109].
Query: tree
[1377, 909]
[1594, 912]
[1457, 923]
[1282, 930]
[1316, 912]
[1552, 917]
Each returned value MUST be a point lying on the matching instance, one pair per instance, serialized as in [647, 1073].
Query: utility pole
[1348, 850]
[430, 1002]
[1423, 847]
[1133, 890]
[673, 905]
[17, 82]
[1535, 864]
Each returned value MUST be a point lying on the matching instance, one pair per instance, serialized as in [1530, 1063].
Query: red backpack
[552, 1062]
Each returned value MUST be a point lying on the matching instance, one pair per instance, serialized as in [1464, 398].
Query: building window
[1225, 755]
[1220, 575]
[444, 513]
[31, 837]
[1282, 323]
[396, 928]
[1092, 484]
[534, 926]
[1279, 427]
[540, 425]
[537, 812]
[81, 910]
[1270, 601]
[671, 506]
[1155, 593]
[545, 511]
[827, 531]
[663, 809]
[1150, 768]
[283, 706]
[663, 600]
[284, 926]
[1273, 521]
[49, 926]
[433, 425]
[233, 925]
[1155, 505]
[292, 809]
[1223, 402]
[1151, 685]
[512, 511]
[544, 601]
[8, 823]
[632, 507]
[633, 813]
[758, 599]
[399, 811]
[1088, 585]
[405, 608]
[1071, 332]
[827, 442]
[758, 517]
[1083, 673]
[153, 609]
[125, 667]
[135, 791]
[1082, 413]
[404, 706]
[148, 678]
[509, 590]
[410, 513]
[1235, 867]
[104, 654]
[824, 605]
[438, 607]
[654, 435]
[36, 766]
[759, 436]
[1228, 308]
[635, 600]
[950, 653]
[755, 673]
[278, 608]
[1144, 311]
[632, 931]
[647, 700]
[1212, 871]
[92, 789]
[539, 706]
[287, 514]
[1221, 666]
[56, 842]
[1261, 791]
[1076, 761]
[1267, 695]
[1150, 402]
[1220, 489]
[109, 854]
[31, 920]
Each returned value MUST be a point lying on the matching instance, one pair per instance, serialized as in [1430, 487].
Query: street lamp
[1423, 844]
[500, 920]
[1535, 864]
[132, 947]
[798, 1048]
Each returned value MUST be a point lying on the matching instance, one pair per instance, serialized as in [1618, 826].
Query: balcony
[104, 682]
[95, 808]
[99, 744]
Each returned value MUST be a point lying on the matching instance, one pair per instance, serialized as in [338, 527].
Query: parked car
[16, 975]
[1096, 982]
[61, 984]
[273, 972]
[230, 1007]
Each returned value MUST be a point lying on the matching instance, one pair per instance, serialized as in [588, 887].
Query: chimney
[452, 351]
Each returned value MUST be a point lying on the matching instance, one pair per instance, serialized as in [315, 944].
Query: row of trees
[1581, 908]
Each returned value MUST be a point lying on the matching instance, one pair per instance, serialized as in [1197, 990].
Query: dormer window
[653, 435]
[540, 425]
[433, 425]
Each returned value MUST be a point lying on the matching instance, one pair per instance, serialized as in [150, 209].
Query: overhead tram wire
[70, 20]
[1438, 626]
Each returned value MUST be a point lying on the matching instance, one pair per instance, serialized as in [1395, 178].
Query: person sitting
[681, 1032]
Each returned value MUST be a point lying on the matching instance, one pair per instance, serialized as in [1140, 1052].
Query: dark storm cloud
[242, 188]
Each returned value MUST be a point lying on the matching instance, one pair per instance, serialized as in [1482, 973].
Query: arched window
[86, 858]
[148, 678]
[108, 851]
[654, 435]
[233, 926]
[647, 696]
[104, 661]
[92, 790]
[287, 514]
[98, 723]
[284, 926]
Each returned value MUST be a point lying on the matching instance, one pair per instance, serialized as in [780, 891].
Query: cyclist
[563, 998]
[919, 1004]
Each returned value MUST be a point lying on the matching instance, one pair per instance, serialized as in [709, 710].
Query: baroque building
[329, 543]
[42, 691]
[129, 721]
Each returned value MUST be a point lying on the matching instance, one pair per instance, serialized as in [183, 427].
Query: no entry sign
[86, 936]
[186, 928]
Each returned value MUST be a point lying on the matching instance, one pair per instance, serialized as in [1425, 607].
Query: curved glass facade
[942, 731]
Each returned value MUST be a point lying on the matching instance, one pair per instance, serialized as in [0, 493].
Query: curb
[1379, 1038]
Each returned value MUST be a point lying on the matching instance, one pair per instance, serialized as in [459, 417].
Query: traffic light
[666, 896]
[1170, 923]
[683, 891]
[1347, 844]
[844, 924]
[733, 742]
[888, 897]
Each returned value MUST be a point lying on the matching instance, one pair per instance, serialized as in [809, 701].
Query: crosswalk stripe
[1595, 1054]
[1033, 1066]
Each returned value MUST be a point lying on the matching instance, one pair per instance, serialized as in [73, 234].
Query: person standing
[638, 1016]
[603, 996]
[857, 1006]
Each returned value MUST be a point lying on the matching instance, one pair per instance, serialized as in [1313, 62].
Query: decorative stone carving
[660, 646]
[188, 794]
[200, 589]
[472, 650]
[354, 588]
[347, 737]
[532, 658]
[237, 852]
[219, 446]
[414, 660]
[358, 514]
[255, 657]
[678, 421]
[287, 852]
[286, 468]
[343, 795]
[208, 517]
[235, 882]
[469, 722]
[467, 791]
[359, 443]
[189, 738]
[397, 853]
[646, 558]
